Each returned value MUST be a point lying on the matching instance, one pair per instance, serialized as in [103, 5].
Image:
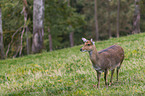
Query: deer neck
[94, 55]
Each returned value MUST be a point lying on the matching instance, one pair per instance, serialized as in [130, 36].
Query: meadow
[69, 72]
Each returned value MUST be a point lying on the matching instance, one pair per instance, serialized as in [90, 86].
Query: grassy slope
[69, 72]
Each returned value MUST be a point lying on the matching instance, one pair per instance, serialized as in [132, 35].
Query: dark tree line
[30, 26]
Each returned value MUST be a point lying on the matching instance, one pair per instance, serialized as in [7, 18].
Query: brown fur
[104, 60]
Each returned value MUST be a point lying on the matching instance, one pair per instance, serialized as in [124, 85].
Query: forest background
[62, 23]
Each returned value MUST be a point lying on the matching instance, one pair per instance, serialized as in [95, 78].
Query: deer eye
[88, 44]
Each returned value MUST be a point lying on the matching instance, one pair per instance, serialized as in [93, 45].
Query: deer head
[88, 46]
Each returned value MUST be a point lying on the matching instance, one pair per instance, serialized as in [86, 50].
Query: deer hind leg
[117, 72]
[119, 68]
[112, 72]
[105, 77]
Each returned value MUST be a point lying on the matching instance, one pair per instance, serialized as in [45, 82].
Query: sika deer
[104, 60]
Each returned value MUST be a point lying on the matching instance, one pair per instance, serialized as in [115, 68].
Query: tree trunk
[118, 11]
[27, 41]
[25, 28]
[38, 30]
[109, 23]
[25, 4]
[1, 37]
[50, 40]
[96, 22]
[136, 19]
[71, 34]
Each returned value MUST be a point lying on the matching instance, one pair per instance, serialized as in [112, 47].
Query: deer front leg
[112, 72]
[105, 77]
[98, 78]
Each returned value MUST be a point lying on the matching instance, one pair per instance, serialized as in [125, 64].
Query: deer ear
[84, 39]
[92, 41]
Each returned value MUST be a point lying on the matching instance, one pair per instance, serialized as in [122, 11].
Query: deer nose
[81, 49]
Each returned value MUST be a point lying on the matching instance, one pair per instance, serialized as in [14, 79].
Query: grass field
[69, 72]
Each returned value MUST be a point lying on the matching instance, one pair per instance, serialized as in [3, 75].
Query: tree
[1, 37]
[58, 18]
[50, 39]
[136, 18]
[96, 22]
[71, 35]
[118, 11]
[142, 16]
[63, 22]
[26, 9]
[38, 30]
[71, 38]
[25, 28]
[109, 25]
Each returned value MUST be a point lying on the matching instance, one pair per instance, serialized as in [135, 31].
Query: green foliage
[62, 19]
[13, 19]
[104, 8]
[142, 12]
[69, 71]
[59, 17]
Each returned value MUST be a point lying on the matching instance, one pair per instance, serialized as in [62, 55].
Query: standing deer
[104, 60]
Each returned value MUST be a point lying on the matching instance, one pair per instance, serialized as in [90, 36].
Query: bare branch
[16, 52]
[12, 40]
[25, 26]
[21, 42]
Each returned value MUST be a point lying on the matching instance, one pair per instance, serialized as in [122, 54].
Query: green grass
[69, 72]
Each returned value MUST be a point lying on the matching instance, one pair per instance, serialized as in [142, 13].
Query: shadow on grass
[43, 91]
